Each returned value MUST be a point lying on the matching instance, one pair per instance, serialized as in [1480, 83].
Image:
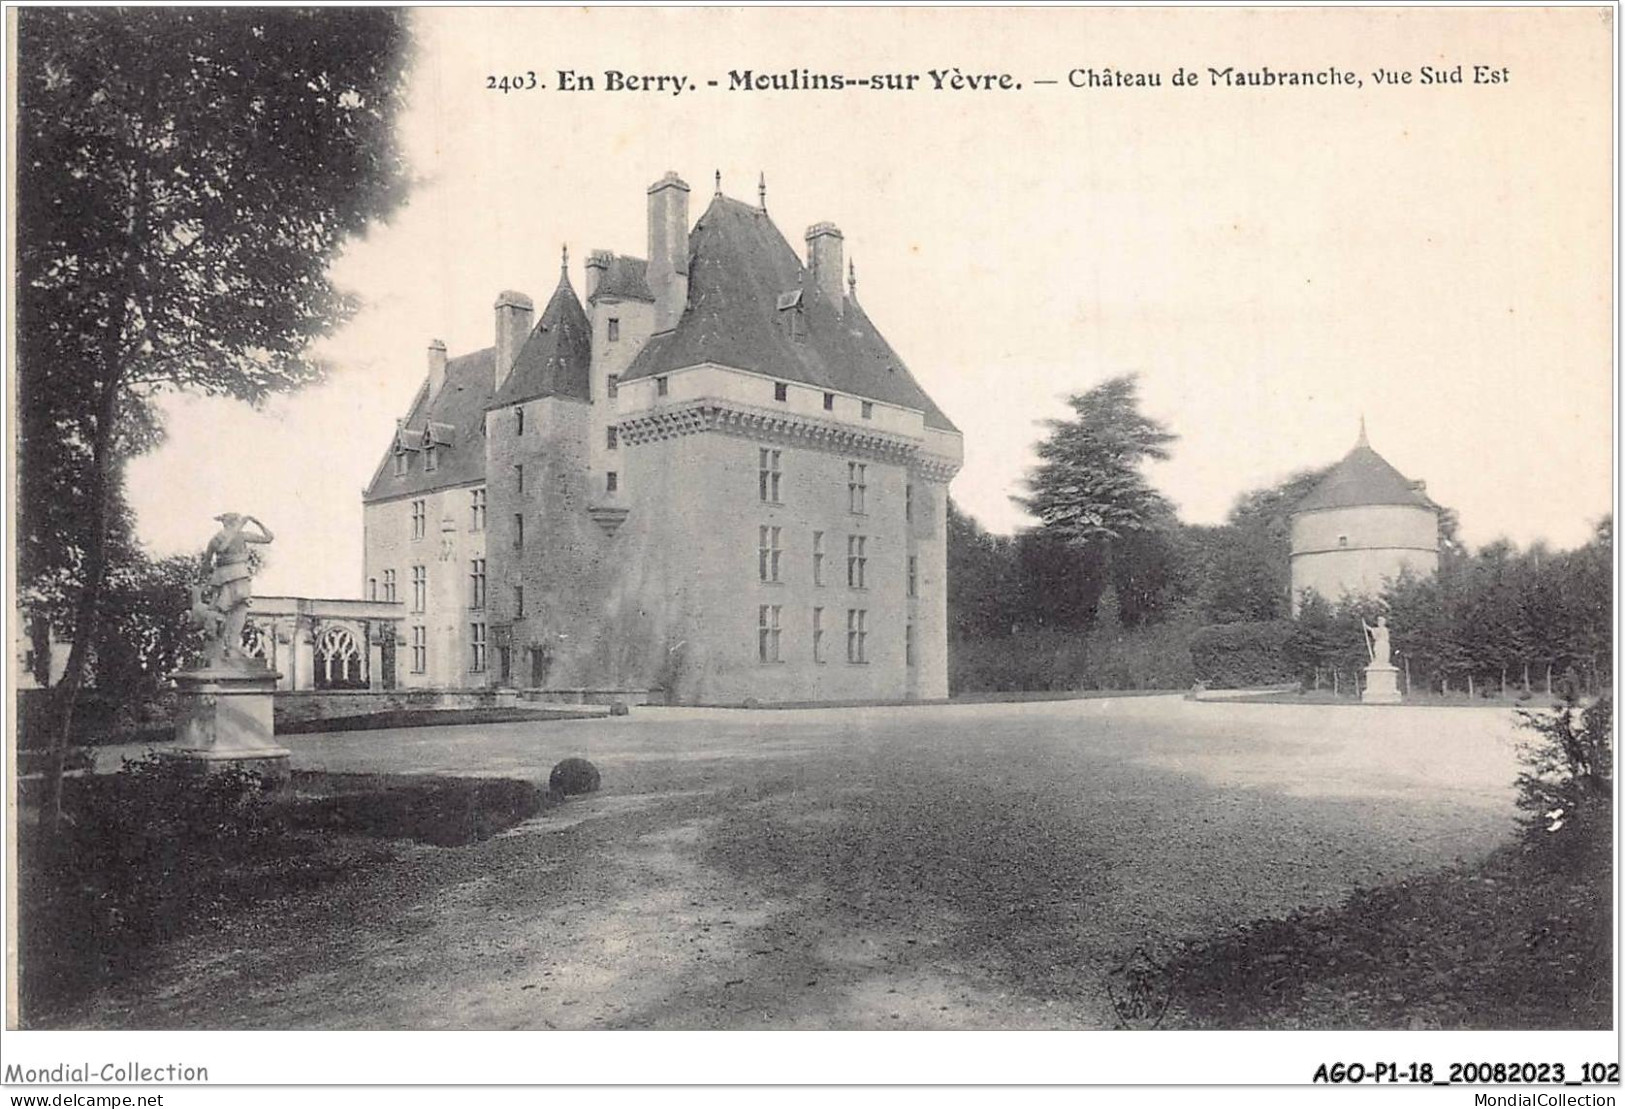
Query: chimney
[437, 367]
[668, 249]
[597, 266]
[515, 311]
[824, 247]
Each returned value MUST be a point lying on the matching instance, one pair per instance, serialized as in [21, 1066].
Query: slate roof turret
[556, 360]
[1363, 477]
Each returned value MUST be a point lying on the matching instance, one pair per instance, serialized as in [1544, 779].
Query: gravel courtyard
[965, 866]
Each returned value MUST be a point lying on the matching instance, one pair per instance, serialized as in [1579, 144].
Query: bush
[142, 855]
[1566, 790]
[573, 776]
[1234, 656]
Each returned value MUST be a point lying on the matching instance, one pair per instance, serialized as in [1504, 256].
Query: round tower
[1363, 524]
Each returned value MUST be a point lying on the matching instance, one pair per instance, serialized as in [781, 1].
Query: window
[420, 648]
[614, 389]
[612, 481]
[389, 585]
[476, 510]
[908, 502]
[768, 475]
[767, 553]
[660, 386]
[518, 602]
[519, 419]
[857, 635]
[913, 576]
[857, 486]
[612, 438]
[614, 330]
[476, 581]
[868, 410]
[818, 635]
[767, 633]
[818, 558]
[518, 530]
[856, 560]
[431, 459]
[476, 648]
[829, 402]
[400, 462]
[420, 520]
[519, 478]
[908, 644]
[1342, 540]
[420, 588]
[781, 391]
[372, 589]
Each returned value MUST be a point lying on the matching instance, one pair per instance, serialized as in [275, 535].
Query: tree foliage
[184, 178]
[1088, 487]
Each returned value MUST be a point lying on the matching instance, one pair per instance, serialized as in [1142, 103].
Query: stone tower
[1363, 524]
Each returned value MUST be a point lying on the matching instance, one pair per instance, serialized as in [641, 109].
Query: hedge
[1234, 656]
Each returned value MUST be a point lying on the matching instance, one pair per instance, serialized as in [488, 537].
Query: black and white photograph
[537, 520]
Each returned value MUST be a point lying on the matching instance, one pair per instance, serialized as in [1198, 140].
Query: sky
[1273, 263]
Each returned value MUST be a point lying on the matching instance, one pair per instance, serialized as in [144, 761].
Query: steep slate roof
[624, 278]
[461, 404]
[739, 267]
[556, 359]
[1364, 477]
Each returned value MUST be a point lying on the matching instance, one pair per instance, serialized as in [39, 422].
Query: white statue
[227, 586]
[1376, 641]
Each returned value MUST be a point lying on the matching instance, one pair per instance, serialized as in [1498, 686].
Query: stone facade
[714, 479]
[1362, 526]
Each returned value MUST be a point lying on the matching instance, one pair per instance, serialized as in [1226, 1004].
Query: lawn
[953, 866]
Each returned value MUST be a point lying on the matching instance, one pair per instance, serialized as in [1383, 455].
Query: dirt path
[958, 867]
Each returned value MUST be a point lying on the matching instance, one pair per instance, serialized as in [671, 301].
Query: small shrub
[573, 776]
[1566, 790]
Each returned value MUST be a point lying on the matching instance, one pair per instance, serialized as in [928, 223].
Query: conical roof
[1363, 477]
[556, 359]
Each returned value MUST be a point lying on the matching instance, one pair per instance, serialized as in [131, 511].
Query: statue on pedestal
[1376, 641]
[225, 710]
[220, 600]
[1381, 679]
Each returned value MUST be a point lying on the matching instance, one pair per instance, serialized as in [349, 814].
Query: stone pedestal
[223, 718]
[1381, 686]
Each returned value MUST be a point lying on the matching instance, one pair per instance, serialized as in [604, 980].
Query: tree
[185, 176]
[1088, 488]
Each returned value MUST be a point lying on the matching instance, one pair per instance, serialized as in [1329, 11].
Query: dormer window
[431, 459]
[790, 311]
[400, 462]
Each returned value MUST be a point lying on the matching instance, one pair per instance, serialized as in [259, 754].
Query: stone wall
[293, 707]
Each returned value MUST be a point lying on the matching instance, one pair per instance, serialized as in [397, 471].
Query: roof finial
[564, 260]
[761, 192]
[851, 279]
[719, 182]
[1362, 440]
